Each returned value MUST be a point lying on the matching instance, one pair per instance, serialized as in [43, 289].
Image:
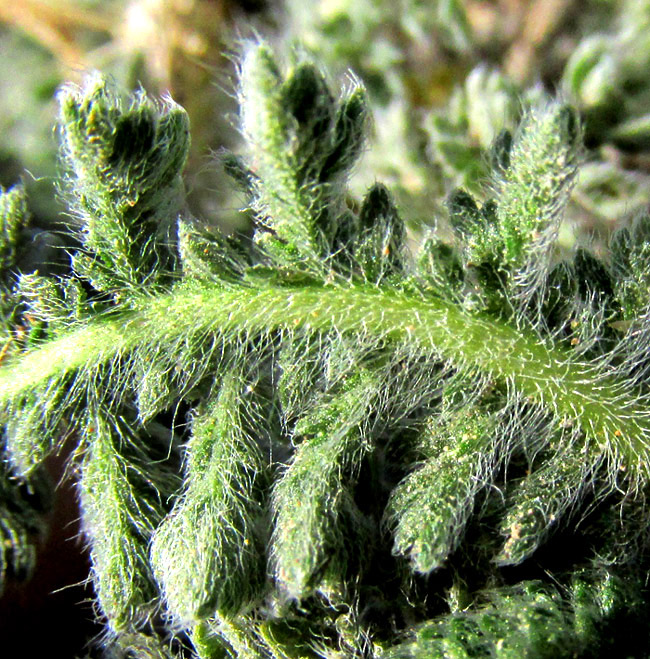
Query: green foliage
[15, 218]
[367, 429]
[123, 493]
[531, 620]
[604, 76]
[208, 553]
[460, 136]
[309, 534]
[124, 182]
[22, 501]
[432, 505]
[22, 504]
[302, 142]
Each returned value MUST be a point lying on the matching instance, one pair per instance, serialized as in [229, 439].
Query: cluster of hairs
[305, 441]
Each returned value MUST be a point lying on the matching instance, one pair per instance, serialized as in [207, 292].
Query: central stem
[578, 393]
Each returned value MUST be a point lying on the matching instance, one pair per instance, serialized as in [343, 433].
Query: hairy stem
[578, 393]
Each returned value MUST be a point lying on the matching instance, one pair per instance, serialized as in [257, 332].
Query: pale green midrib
[574, 391]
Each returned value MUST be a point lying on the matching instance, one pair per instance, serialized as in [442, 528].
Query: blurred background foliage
[445, 76]
[176, 47]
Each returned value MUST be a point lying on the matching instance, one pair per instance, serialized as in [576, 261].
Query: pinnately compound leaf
[376, 453]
